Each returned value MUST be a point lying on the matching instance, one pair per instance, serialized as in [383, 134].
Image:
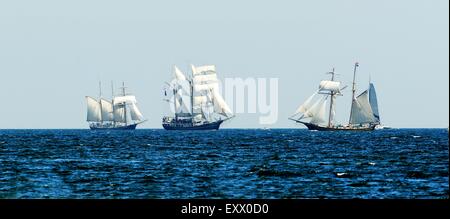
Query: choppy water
[282, 163]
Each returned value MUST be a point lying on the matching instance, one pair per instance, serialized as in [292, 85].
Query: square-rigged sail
[197, 102]
[115, 114]
[207, 97]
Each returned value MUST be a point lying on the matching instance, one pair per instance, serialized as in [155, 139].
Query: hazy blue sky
[52, 54]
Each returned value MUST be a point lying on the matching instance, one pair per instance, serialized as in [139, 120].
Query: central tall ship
[196, 101]
[364, 115]
[121, 113]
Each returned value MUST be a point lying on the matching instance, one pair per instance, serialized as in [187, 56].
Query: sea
[223, 164]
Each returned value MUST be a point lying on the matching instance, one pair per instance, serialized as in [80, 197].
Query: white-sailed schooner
[121, 113]
[196, 101]
[315, 115]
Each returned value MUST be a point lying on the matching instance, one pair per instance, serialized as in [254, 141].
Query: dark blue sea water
[280, 163]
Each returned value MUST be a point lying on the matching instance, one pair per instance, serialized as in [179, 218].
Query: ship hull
[178, 126]
[311, 126]
[128, 127]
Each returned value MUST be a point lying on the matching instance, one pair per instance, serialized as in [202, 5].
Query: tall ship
[196, 101]
[317, 114]
[121, 113]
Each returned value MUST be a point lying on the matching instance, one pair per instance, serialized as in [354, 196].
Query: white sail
[124, 99]
[311, 110]
[305, 106]
[203, 102]
[136, 113]
[205, 79]
[204, 105]
[93, 110]
[317, 112]
[179, 75]
[107, 110]
[198, 118]
[207, 110]
[202, 70]
[183, 104]
[120, 108]
[374, 102]
[333, 110]
[177, 104]
[200, 100]
[206, 88]
[220, 106]
[361, 110]
[319, 116]
[332, 86]
[119, 113]
[198, 88]
[180, 83]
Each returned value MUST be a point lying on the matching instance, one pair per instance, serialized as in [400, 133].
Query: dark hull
[321, 128]
[128, 127]
[189, 126]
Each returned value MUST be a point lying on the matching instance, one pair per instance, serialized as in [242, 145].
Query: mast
[191, 82]
[124, 104]
[112, 101]
[175, 104]
[331, 101]
[100, 100]
[211, 104]
[353, 91]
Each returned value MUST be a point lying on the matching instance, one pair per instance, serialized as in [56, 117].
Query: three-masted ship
[196, 101]
[121, 113]
[317, 114]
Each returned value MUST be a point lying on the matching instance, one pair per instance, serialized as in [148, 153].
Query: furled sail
[361, 111]
[332, 86]
[374, 102]
[124, 99]
[107, 110]
[93, 110]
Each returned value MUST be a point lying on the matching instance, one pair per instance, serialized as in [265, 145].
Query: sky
[53, 53]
